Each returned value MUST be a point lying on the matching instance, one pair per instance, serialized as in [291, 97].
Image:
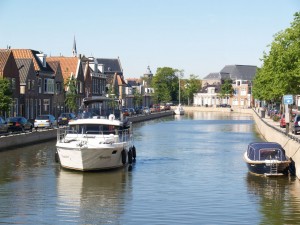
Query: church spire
[74, 48]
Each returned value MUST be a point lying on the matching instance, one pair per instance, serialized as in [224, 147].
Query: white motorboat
[95, 142]
[179, 110]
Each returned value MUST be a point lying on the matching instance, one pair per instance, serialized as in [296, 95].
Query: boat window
[269, 154]
[94, 129]
[251, 154]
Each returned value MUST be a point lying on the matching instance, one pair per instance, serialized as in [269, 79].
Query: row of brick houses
[242, 78]
[39, 83]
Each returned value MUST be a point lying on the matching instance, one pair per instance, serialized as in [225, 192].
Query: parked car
[45, 121]
[155, 108]
[222, 105]
[18, 124]
[3, 126]
[296, 124]
[64, 118]
[125, 112]
[139, 110]
[131, 111]
[282, 121]
[167, 107]
[146, 110]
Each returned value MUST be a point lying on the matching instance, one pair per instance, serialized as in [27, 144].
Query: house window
[58, 88]
[80, 87]
[46, 104]
[31, 109]
[29, 84]
[13, 83]
[32, 84]
[243, 91]
[49, 86]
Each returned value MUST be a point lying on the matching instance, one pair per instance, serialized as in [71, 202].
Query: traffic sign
[288, 99]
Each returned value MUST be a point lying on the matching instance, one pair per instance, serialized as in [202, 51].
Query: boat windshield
[94, 129]
[270, 154]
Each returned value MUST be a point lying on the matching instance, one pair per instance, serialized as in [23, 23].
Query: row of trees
[280, 72]
[166, 86]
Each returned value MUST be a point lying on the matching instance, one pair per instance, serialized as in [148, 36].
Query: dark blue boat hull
[263, 168]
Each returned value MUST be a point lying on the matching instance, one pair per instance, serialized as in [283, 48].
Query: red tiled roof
[120, 80]
[68, 65]
[4, 55]
[26, 54]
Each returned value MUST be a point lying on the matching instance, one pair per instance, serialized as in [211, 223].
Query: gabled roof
[121, 81]
[24, 66]
[240, 72]
[213, 76]
[31, 54]
[133, 82]
[68, 65]
[4, 55]
[110, 65]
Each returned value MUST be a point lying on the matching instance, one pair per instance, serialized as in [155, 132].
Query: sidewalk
[276, 126]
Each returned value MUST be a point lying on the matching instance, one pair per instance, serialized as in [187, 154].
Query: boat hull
[265, 167]
[87, 159]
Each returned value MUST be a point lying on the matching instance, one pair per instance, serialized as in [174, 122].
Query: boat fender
[130, 156]
[123, 156]
[133, 152]
[56, 157]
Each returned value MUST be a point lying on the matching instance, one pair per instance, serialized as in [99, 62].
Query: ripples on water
[189, 170]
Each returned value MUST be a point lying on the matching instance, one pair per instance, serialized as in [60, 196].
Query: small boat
[97, 140]
[266, 158]
[179, 110]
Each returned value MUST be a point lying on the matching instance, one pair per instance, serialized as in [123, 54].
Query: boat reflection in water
[92, 198]
[275, 199]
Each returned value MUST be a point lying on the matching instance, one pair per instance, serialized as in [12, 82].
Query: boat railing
[67, 135]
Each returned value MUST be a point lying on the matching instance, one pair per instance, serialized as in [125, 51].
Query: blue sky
[197, 36]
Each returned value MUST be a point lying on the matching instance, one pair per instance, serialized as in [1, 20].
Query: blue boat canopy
[260, 151]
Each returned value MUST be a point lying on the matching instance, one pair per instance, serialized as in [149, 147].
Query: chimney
[42, 58]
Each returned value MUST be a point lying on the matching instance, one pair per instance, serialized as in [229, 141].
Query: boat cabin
[260, 151]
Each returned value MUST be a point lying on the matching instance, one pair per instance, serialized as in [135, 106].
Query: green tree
[280, 72]
[5, 95]
[71, 95]
[165, 84]
[137, 99]
[226, 89]
[190, 86]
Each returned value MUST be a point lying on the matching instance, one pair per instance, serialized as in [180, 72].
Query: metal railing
[65, 135]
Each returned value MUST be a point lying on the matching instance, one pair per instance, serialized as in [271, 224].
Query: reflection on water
[277, 198]
[92, 198]
[189, 170]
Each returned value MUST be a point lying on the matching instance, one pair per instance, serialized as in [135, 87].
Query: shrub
[276, 118]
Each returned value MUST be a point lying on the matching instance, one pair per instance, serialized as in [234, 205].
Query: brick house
[71, 67]
[44, 83]
[9, 70]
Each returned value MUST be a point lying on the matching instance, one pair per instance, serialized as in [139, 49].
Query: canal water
[189, 170]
